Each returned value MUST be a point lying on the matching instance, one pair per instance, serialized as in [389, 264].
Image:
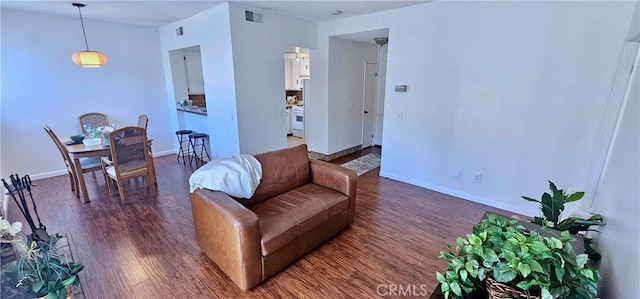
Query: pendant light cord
[83, 33]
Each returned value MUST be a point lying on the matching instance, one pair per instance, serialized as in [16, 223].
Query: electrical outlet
[399, 117]
[457, 173]
[477, 177]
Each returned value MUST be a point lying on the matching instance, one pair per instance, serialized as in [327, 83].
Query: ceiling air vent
[179, 31]
[251, 16]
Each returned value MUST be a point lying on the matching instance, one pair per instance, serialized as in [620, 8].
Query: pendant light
[87, 58]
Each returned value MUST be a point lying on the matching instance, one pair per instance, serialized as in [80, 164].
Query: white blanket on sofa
[238, 176]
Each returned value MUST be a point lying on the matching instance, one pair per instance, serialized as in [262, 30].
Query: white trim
[54, 173]
[49, 174]
[165, 153]
[515, 208]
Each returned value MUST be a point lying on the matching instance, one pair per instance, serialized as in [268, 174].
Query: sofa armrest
[229, 234]
[337, 178]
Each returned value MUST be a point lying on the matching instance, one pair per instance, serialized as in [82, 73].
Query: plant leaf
[474, 240]
[560, 292]
[587, 273]
[574, 196]
[553, 242]
[559, 273]
[526, 284]
[581, 260]
[440, 277]
[535, 266]
[455, 288]
[530, 199]
[545, 294]
[444, 287]
[490, 255]
[502, 273]
[463, 275]
[524, 269]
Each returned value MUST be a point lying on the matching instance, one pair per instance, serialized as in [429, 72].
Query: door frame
[373, 101]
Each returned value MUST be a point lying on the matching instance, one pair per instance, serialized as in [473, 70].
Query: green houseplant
[42, 270]
[536, 265]
[552, 206]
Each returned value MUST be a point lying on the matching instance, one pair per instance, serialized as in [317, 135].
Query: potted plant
[8, 232]
[42, 270]
[552, 206]
[508, 261]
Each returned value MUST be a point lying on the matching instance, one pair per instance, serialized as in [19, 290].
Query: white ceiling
[160, 12]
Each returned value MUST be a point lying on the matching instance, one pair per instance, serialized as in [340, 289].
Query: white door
[368, 112]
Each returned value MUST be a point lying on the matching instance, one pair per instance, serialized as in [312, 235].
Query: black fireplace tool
[17, 187]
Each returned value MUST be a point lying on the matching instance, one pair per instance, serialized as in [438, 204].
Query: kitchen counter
[193, 109]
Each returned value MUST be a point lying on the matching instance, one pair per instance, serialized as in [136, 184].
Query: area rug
[363, 164]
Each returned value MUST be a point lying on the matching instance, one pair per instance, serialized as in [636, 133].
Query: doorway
[189, 90]
[297, 73]
[368, 103]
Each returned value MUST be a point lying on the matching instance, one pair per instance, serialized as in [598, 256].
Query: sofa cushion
[290, 215]
[282, 171]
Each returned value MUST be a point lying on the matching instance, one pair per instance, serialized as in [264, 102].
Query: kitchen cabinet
[193, 68]
[287, 74]
[296, 81]
[304, 67]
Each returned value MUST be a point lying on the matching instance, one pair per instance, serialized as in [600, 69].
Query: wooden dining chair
[93, 119]
[143, 120]
[87, 164]
[130, 158]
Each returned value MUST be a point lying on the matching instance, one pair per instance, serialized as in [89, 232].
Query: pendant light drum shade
[89, 58]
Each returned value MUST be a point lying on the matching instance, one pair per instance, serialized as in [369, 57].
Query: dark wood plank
[147, 249]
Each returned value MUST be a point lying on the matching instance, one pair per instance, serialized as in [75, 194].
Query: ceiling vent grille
[251, 16]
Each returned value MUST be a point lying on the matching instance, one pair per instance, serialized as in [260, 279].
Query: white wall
[346, 87]
[509, 89]
[41, 85]
[211, 30]
[259, 75]
[619, 240]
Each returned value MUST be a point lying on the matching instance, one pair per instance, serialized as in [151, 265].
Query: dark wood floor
[146, 248]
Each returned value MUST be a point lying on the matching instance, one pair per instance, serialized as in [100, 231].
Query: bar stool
[198, 140]
[181, 140]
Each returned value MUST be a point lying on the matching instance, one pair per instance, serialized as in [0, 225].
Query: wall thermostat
[401, 88]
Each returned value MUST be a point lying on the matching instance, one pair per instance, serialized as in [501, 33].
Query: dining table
[80, 150]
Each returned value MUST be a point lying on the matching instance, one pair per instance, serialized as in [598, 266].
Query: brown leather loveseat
[299, 204]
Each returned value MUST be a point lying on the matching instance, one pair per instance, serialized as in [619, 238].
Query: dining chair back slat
[94, 120]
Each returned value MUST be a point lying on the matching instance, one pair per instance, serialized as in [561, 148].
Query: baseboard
[456, 193]
[165, 153]
[50, 174]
